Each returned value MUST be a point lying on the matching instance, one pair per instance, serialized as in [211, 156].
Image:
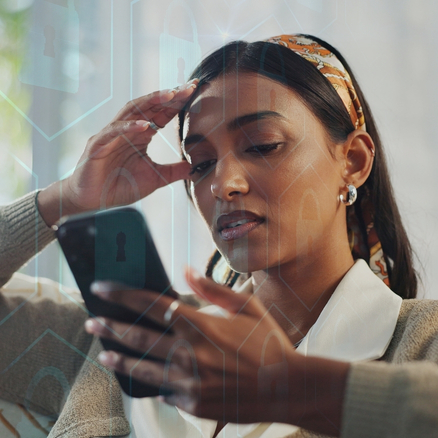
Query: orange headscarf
[363, 243]
[330, 67]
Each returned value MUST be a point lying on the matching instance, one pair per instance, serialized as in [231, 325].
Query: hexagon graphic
[59, 51]
[51, 379]
[313, 16]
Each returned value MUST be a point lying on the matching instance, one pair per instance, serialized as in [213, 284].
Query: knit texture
[23, 233]
[48, 362]
[95, 405]
[398, 400]
[49, 365]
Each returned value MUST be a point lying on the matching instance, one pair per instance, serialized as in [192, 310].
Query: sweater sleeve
[48, 363]
[23, 233]
[388, 400]
[43, 347]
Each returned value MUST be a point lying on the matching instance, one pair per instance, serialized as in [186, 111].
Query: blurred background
[68, 66]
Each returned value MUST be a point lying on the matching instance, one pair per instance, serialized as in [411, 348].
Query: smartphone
[115, 245]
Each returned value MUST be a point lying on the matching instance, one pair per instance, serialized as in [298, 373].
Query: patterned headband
[364, 242]
[330, 67]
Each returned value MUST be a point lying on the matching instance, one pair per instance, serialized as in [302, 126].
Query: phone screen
[115, 245]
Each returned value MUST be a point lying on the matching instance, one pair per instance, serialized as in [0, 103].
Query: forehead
[235, 94]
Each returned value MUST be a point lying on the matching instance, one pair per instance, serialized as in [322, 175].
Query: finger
[116, 130]
[163, 114]
[182, 401]
[159, 107]
[144, 302]
[192, 403]
[223, 296]
[150, 372]
[145, 102]
[156, 374]
[148, 107]
[141, 339]
[170, 173]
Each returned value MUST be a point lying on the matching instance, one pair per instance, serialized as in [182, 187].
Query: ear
[357, 157]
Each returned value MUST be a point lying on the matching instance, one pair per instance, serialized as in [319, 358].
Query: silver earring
[352, 195]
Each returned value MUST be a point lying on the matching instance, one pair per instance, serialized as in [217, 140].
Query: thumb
[223, 296]
[173, 172]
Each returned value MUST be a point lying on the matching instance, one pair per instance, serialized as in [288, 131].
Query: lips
[237, 224]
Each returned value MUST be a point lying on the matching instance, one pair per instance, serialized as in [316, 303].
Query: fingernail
[193, 81]
[102, 288]
[93, 326]
[142, 123]
[192, 273]
[187, 86]
[108, 358]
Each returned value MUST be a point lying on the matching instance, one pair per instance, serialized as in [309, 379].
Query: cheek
[204, 202]
[307, 204]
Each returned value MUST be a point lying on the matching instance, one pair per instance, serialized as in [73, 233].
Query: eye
[202, 167]
[263, 149]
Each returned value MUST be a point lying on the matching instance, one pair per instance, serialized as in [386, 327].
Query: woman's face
[263, 178]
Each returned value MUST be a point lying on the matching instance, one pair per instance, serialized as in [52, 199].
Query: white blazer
[356, 324]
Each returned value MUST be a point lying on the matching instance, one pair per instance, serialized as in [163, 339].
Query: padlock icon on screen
[308, 225]
[272, 379]
[169, 416]
[118, 254]
[178, 57]
[52, 58]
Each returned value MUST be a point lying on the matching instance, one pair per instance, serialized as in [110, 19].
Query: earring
[352, 195]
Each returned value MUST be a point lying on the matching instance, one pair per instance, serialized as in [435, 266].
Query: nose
[230, 179]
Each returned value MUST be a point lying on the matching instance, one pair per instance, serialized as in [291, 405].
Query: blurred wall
[120, 45]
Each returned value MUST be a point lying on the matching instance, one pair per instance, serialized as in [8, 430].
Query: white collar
[357, 322]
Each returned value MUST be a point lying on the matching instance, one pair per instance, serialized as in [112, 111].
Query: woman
[281, 142]
[272, 145]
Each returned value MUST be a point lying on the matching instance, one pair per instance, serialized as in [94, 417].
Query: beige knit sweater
[43, 335]
[397, 399]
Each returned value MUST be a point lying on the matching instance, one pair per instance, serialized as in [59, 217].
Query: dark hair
[283, 65]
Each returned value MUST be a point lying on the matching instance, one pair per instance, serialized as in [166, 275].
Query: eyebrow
[236, 124]
[249, 118]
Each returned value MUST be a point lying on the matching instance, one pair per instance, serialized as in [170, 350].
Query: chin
[244, 256]
[243, 263]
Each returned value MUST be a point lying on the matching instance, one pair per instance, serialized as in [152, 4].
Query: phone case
[115, 245]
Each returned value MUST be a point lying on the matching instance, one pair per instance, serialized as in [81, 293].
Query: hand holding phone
[115, 245]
